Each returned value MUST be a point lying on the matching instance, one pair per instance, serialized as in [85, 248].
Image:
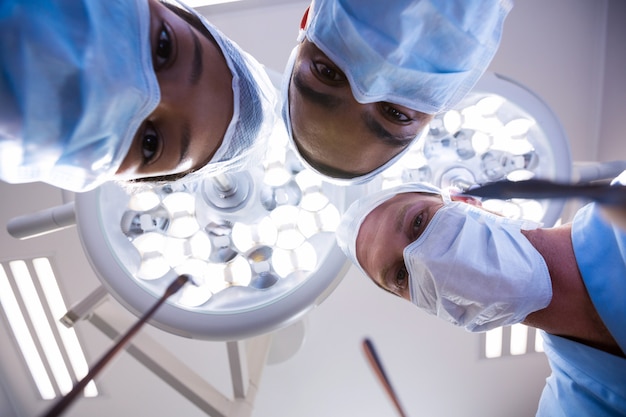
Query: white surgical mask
[76, 81]
[422, 54]
[476, 269]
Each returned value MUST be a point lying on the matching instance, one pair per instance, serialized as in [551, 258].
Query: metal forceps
[611, 195]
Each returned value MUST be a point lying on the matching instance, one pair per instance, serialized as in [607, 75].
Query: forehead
[390, 209]
[382, 237]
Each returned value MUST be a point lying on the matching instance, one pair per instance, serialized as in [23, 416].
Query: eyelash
[401, 278]
[416, 226]
[163, 49]
[394, 114]
[323, 71]
[149, 132]
[399, 281]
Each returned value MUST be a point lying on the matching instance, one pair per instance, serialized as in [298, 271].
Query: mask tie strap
[446, 195]
[303, 24]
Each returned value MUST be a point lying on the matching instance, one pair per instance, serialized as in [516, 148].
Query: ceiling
[241, 5]
[569, 52]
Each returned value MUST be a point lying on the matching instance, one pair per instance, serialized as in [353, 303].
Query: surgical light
[501, 130]
[258, 244]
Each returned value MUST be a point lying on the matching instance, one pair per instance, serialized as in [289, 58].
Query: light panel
[538, 343]
[52, 292]
[510, 341]
[493, 343]
[48, 361]
[41, 325]
[519, 339]
[24, 339]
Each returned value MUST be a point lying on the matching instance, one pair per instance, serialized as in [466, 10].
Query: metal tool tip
[178, 283]
[192, 281]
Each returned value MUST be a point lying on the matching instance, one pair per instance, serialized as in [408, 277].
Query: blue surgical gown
[586, 381]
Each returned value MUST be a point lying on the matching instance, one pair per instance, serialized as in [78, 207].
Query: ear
[466, 199]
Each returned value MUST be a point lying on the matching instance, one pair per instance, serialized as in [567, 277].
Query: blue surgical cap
[76, 81]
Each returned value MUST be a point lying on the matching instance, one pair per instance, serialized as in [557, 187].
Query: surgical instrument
[377, 366]
[614, 195]
[66, 400]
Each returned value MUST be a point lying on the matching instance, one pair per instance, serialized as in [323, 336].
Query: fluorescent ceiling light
[538, 342]
[43, 304]
[41, 324]
[519, 339]
[515, 337]
[24, 339]
[51, 291]
[493, 343]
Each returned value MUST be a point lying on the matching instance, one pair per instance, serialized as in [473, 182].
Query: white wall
[612, 144]
[556, 48]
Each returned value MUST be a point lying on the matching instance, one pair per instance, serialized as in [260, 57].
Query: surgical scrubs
[586, 381]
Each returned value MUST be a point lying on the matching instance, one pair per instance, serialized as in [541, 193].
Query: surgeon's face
[386, 231]
[188, 125]
[334, 133]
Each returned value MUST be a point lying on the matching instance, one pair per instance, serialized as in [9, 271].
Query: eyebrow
[196, 65]
[386, 136]
[325, 100]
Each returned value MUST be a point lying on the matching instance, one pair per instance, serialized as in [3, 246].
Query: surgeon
[131, 90]
[479, 270]
[368, 76]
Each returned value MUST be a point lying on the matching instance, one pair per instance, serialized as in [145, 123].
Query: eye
[163, 50]
[401, 280]
[394, 114]
[416, 226]
[328, 73]
[150, 144]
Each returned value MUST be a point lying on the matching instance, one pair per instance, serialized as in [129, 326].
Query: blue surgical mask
[476, 269]
[425, 55]
[76, 82]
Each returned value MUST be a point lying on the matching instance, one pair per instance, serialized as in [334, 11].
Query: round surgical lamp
[500, 130]
[259, 245]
